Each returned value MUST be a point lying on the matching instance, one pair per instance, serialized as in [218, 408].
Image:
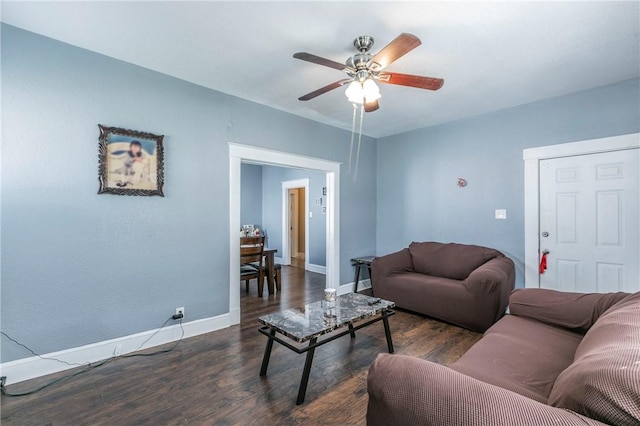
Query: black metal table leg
[305, 373]
[353, 333]
[267, 353]
[387, 332]
[357, 278]
[370, 279]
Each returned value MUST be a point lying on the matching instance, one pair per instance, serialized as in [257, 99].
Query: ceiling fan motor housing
[361, 62]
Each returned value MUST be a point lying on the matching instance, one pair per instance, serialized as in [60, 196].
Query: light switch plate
[501, 213]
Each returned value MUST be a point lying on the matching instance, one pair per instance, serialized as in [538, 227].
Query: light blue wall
[272, 178]
[418, 199]
[251, 195]
[78, 267]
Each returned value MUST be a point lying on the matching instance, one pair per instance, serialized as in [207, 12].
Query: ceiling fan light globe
[354, 92]
[371, 91]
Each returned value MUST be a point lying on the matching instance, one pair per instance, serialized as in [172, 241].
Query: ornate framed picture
[130, 162]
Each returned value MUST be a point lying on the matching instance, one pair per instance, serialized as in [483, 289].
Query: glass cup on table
[330, 295]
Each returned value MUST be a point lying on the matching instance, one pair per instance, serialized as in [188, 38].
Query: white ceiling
[492, 55]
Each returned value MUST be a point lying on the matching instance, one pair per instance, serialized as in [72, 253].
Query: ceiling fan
[364, 69]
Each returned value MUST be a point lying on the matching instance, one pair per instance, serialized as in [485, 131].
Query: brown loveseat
[462, 284]
[557, 359]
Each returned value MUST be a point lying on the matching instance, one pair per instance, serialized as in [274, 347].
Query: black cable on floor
[89, 366]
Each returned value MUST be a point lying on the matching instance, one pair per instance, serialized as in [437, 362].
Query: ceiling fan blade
[371, 106]
[324, 89]
[304, 56]
[420, 82]
[399, 47]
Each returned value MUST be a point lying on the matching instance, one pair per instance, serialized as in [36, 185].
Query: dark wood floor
[213, 378]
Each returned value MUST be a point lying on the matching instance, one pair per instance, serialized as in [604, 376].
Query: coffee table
[308, 323]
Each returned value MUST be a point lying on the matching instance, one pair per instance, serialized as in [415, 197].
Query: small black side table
[359, 262]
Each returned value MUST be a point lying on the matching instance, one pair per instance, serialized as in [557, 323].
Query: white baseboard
[308, 266]
[234, 317]
[30, 368]
[348, 288]
[316, 268]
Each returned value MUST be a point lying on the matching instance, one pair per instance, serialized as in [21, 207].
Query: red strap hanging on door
[543, 262]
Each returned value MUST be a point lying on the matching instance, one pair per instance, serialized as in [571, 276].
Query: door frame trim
[532, 158]
[239, 153]
[286, 248]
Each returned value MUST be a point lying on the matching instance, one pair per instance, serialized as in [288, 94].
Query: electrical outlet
[180, 311]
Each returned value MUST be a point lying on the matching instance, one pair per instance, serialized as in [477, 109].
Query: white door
[589, 222]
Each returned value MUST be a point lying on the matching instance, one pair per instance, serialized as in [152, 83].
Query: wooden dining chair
[252, 261]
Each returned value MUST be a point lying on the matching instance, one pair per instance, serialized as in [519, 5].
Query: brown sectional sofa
[462, 284]
[557, 359]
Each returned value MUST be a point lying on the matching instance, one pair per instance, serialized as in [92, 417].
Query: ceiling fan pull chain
[355, 173]
[353, 131]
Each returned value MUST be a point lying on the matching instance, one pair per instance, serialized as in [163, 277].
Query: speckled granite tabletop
[312, 320]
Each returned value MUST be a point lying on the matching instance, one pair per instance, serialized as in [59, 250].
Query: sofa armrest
[411, 391]
[494, 280]
[389, 264]
[574, 311]
[497, 274]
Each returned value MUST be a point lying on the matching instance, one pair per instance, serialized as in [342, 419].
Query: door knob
[545, 234]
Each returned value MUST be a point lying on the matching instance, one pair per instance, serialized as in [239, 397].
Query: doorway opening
[295, 223]
[243, 153]
[297, 229]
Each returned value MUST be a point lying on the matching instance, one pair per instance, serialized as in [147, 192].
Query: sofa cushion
[454, 261]
[604, 380]
[522, 355]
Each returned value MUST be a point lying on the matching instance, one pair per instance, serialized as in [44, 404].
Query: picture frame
[130, 162]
